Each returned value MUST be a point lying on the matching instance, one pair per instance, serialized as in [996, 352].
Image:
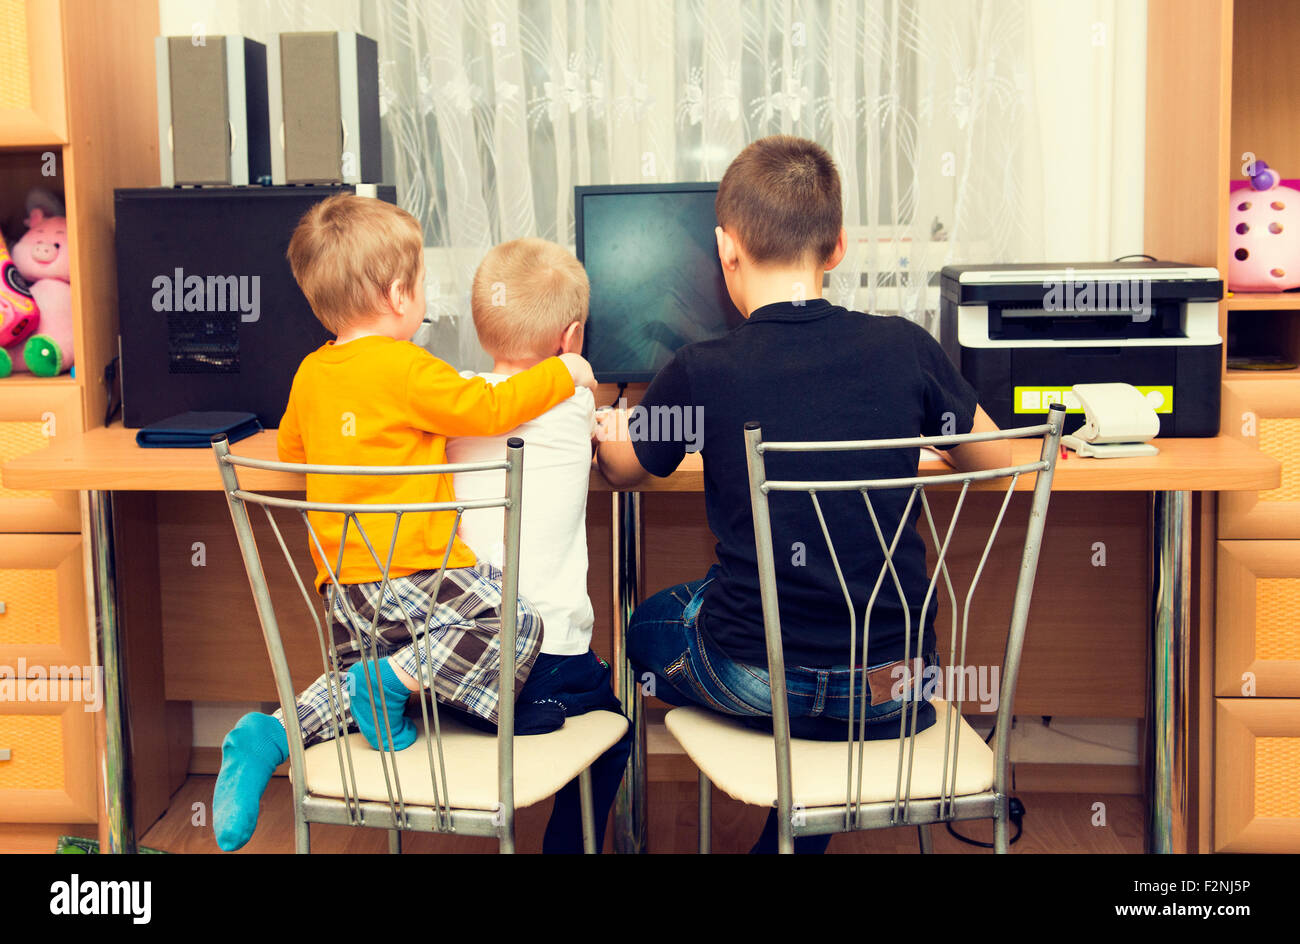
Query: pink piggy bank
[42, 257]
[1264, 235]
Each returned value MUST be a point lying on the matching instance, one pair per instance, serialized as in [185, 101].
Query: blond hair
[345, 253]
[525, 293]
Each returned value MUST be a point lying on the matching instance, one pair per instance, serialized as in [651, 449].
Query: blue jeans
[664, 640]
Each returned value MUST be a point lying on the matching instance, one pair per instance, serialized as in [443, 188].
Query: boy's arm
[615, 456]
[980, 455]
[624, 461]
[442, 401]
[288, 438]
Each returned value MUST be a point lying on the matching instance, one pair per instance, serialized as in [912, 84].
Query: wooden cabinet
[77, 116]
[1216, 100]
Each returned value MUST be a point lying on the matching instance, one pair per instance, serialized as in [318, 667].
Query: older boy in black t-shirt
[803, 369]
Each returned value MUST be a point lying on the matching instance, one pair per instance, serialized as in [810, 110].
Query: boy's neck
[771, 286]
[509, 368]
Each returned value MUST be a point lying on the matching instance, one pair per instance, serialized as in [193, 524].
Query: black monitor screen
[656, 283]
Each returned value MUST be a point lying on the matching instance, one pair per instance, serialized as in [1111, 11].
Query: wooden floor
[1054, 822]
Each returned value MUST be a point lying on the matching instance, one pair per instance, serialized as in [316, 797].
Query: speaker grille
[313, 121]
[200, 111]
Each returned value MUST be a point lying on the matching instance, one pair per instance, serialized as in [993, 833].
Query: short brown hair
[780, 199]
[346, 252]
[525, 293]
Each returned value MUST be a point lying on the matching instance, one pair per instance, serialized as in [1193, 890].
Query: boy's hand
[580, 371]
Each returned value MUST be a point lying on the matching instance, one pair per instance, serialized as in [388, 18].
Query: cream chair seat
[543, 764]
[741, 761]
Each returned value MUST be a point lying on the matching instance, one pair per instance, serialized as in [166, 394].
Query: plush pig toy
[42, 258]
[1264, 234]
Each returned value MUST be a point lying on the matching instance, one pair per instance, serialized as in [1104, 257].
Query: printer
[1023, 335]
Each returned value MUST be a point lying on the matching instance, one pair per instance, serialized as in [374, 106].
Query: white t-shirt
[553, 531]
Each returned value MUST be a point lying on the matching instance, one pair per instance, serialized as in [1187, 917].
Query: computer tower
[213, 117]
[210, 315]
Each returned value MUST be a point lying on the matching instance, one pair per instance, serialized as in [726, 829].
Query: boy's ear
[396, 295]
[727, 253]
[571, 339]
[837, 254]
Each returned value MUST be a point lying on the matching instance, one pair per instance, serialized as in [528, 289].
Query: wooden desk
[105, 461]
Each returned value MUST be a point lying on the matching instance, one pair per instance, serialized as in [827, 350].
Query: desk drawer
[1257, 775]
[32, 413]
[1264, 414]
[1257, 624]
[42, 604]
[47, 755]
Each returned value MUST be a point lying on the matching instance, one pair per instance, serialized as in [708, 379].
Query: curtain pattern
[493, 110]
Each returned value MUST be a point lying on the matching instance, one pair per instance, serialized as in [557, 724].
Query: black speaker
[211, 317]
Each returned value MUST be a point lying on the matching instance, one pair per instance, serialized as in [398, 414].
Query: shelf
[27, 380]
[1264, 301]
[1292, 374]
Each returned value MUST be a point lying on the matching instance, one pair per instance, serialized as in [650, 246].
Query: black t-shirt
[813, 371]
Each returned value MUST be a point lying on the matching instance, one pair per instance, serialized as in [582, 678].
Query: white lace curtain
[965, 130]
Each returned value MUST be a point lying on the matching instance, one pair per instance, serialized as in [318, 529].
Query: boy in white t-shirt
[529, 301]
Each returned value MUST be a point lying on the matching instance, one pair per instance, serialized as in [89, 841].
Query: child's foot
[394, 704]
[252, 750]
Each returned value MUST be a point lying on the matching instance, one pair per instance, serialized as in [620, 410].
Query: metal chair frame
[396, 815]
[854, 814]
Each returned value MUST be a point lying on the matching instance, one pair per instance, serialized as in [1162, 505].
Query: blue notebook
[194, 430]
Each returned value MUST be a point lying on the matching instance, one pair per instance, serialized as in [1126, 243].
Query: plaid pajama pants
[460, 653]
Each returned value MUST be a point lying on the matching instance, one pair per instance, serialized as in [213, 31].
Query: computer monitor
[656, 283]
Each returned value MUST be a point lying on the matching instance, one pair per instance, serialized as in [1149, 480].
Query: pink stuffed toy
[42, 258]
[1264, 235]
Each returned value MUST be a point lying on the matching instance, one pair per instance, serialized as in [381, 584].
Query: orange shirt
[379, 401]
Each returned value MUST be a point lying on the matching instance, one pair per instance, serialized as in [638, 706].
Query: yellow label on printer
[1039, 399]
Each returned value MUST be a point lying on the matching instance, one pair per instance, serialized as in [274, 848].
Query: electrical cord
[1015, 809]
[1136, 255]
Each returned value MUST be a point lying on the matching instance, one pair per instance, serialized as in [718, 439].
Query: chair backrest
[239, 499]
[858, 631]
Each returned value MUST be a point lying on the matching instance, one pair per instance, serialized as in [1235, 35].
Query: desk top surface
[109, 460]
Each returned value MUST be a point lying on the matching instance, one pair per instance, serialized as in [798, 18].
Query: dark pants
[581, 684]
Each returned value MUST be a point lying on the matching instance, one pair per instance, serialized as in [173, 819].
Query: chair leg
[706, 815]
[1001, 829]
[926, 839]
[301, 834]
[784, 834]
[588, 813]
[394, 842]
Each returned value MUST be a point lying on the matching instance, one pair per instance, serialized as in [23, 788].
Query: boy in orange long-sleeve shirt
[370, 397]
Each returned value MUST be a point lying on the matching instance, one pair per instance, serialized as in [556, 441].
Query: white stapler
[1118, 422]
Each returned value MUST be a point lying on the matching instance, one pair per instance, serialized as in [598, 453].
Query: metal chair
[942, 774]
[454, 779]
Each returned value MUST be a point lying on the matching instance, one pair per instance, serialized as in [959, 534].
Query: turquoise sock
[252, 750]
[395, 697]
